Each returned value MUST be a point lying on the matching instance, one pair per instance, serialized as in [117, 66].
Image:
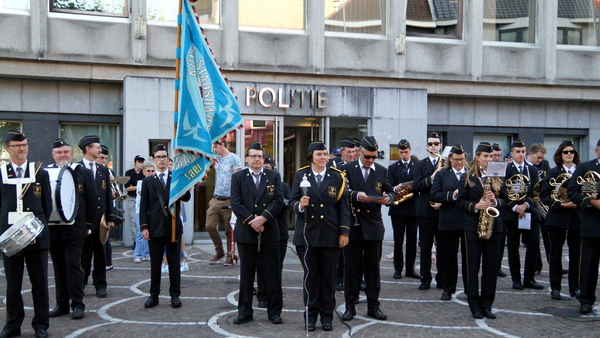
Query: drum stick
[37, 168]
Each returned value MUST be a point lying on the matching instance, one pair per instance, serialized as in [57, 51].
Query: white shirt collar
[362, 166]
[22, 166]
[573, 167]
[461, 172]
[322, 173]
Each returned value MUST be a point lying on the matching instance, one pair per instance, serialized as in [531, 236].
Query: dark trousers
[502, 244]
[157, 247]
[319, 276]
[531, 238]
[447, 249]
[484, 253]
[359, 256]
[428, 230]
[588, 274]
[37, 268]
[68, 274]
[108, 253]
[402, 224]
[93, 247]
[266, 261]
[539, 265]
[556, 240]
[261, 281]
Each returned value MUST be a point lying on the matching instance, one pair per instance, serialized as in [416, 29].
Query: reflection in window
[22, 5]
[166, 10]
[5, 126]
[578, 22]
[109, 136]
[288, 14]
[100, 7]
[509, 20]
[355, 16]
[442, 18]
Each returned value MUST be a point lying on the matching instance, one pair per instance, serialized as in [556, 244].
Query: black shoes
[175, 302]
[584, 308]
[275, 319]
[8, 334]
[397, 275]
[348, 315]
[425, 286]
[517, 286]
[310, 327]
[489, 314]
[377, 314]
[532, 285]
[327, 327]
[101, 293]
[413, 275]
[151, 302]
[339, 286]
[501, 273]
[555, 295]
[41, 333]
[575, 293]
[242, 319]
[363, 285]
[262, 304]
[77, 313]
[477, 315]
[59, 311]
[446, 296]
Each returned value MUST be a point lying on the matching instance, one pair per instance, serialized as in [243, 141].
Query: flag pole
[176, 111]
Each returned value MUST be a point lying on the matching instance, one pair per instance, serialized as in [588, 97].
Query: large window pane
[22, 5]
[578, 22]
[509, 20]
[109, 136]
[166, 10]
[288, 14]
[355, 16]
[99, 7]
[5, 126]
[439, 18]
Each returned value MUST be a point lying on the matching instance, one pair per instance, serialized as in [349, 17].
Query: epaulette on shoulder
[304, 168]
[336, 169]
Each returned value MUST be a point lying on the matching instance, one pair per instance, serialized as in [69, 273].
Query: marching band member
[474, 198]
[322, 228]
[37, 200]
[347, 152]
[451, 220]
[497, 157]
[562, 221]
[590, 230]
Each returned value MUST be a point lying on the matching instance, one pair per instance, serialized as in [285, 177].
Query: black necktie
[162, 179]
[520, 169]
[19, 172]
[319, 179]
[435, 163]
[92, 169]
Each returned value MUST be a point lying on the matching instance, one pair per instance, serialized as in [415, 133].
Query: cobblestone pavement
[209, 294]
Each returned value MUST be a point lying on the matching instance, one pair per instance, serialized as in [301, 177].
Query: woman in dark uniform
[562, 221]
[481, 252]
[322, 227]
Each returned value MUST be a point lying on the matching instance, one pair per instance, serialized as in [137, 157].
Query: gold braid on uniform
[343, 187]
[304, 167]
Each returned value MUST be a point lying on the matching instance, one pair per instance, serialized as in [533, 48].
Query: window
[21, 5]
[355, 16]
[509, 20]
[94, 7]
[109, 136]
[5, 126]
[578, 22]
[277, 14]
[166, 10]
[440, 18]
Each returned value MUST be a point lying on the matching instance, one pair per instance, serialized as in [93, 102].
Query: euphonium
[537, 189]
[516, 187]
[405, 193]
[559, 193]
[486, 217]
[590, 184]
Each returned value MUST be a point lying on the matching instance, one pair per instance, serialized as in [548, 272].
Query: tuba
[537, 189]
[559, 193]
[405, 194]
[485, 227]
[516, 187]
[590, 184]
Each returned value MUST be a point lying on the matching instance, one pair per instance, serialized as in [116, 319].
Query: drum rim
[58, 201]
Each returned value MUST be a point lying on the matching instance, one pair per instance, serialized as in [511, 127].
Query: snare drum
[20, 235]
[65, 199]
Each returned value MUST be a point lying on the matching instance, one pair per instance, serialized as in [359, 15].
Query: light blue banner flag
[208, 109]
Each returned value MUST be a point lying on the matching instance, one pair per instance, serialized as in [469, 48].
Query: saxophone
[486, 217]
[405, 193]
[441, 163]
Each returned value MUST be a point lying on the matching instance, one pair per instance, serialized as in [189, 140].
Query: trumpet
[405, 193]
[517, 187]
[590, 184]
[559, 193]
[115, 182]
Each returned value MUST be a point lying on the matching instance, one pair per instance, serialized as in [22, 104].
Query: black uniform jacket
[397, 175]
[38, 200]
[531, 172]
[369, 214]
[559, 217]
[422, 178]
[469, 196]
[155, 214]
[590, 219]
[337, 162]
[442, 191]
[104, 194]
[282, 218]
[328, 212]
[248, 201]
[88, 207]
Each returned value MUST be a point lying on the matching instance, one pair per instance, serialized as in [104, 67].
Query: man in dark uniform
[451, 221]
[346, 150]
[66, 241]
[156, 224]
[497, 157]
[590, 231]
[427, 214]
[403, 215]
[92, 246]
[256, 199]
[517, 210]
[536, 157]
[370, 190]
[37, 200]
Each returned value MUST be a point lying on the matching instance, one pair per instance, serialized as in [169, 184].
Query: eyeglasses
[18, 145]
[256, 157]
[161, 157]
[368, 157]
[568, 152]
[458, 159]
[433, 144]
